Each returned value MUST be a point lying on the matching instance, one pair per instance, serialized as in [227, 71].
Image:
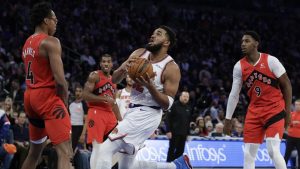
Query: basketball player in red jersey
[99, 92]
[270, 93]
[46, 96]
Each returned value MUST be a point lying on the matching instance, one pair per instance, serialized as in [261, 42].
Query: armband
[171, 101]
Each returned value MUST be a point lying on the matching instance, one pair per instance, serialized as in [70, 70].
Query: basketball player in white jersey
[148, 98]
[123, 96]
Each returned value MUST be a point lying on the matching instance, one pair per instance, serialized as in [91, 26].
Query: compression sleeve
[235, 90]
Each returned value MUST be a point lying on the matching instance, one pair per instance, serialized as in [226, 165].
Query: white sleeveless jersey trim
[144, 97]
[123, 101]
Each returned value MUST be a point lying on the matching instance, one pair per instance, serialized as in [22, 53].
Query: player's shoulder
[50, 41]
[237, 66]
[271, 57]
[93, 76]
[171, 63]
[172, 67]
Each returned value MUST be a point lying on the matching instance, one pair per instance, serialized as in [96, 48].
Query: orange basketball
[139, 68]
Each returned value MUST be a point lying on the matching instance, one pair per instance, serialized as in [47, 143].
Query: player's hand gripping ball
[140, 67]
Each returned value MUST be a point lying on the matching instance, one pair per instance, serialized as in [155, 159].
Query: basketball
[139, 68]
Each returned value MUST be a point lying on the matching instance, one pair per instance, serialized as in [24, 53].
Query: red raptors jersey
[37, 67]
[104, 87]
[262, 85]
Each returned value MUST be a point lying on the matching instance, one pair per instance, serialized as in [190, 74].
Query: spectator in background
[9, 110]
[178, 119]
[218, 132]
[5, 137]
[21, 140]
[17, 93]
[201, 126]
[86, 57]
[209, 127]
[78, 110]
[293, 139]
[207, 118]
[238, 131]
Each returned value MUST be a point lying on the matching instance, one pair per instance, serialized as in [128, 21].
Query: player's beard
[153, 48]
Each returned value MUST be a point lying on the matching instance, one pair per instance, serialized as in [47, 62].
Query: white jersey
[123, 101]
[139, 123]
[77, 113]
[141, 95]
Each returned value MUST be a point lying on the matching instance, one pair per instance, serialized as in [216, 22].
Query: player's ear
[46, 21]
[167, 43]
[256, 43]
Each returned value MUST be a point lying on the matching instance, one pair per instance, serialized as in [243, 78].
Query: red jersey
[262, 85]
[105, 87]
[294, 128]
[37, 67]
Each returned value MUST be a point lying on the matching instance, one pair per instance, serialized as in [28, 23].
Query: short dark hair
[253, 34]
[78, 86]
[105, 55]
[171, 35]
[39, 12]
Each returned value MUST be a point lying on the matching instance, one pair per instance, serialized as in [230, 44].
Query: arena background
[208, 31]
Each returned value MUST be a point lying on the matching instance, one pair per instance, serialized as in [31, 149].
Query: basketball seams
[139, 68]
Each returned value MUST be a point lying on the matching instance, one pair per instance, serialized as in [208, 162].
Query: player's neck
[253, 57]
[40, 29]
[158, 56]
[105, 73]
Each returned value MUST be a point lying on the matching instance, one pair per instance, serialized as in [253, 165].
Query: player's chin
[53, 32]
[244, 52]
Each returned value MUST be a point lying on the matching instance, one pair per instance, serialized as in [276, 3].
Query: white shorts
[138, 124]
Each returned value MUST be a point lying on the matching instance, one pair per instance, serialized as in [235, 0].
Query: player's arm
[286, 88]
[121, 72]
[85, 123]
[171, 78]
[116, 109]
[233, 98]
[83, 133]
[285, 85]
[53, 49]
[87, 93]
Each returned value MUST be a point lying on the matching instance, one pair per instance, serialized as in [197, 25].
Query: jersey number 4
[29, 75]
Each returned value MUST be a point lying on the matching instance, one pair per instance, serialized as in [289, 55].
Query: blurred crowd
[208, 32]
